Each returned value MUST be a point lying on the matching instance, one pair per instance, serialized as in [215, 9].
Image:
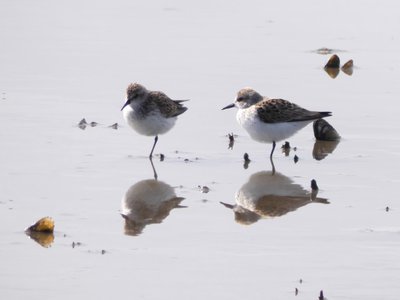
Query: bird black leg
[154, 169]
[271, 159]
[154, 145]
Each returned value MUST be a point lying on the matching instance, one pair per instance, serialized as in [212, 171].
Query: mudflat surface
[64, 62]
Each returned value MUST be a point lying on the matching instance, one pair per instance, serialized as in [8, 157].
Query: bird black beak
[229, 106]
[227, 205]
[126, 103]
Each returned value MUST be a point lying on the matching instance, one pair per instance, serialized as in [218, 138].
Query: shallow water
[64, 62]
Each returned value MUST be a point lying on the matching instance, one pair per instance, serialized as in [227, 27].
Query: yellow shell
[45, 224]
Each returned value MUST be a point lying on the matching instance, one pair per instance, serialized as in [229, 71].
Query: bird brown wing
[168, 108]
[280, 110]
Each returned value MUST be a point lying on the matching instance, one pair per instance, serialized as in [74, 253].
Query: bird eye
[239, 99]
[133, 96]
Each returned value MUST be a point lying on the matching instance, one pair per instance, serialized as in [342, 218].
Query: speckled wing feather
[168, 108]
[280, 110]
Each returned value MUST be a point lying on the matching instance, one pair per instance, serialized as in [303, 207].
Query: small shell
[323, 131]
[347, 68]
[45, 225]
[333, 62]
[42, 232]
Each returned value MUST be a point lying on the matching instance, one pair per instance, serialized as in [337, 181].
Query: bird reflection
[147, 202]
[268, 194]
[323, 148]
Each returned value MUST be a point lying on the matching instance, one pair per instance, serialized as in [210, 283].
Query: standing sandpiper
[149, 112]
[271, 120]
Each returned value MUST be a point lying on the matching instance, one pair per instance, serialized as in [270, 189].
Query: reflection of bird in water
[147, 202]
[269, 194]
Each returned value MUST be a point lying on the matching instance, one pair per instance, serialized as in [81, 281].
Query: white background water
[61, 62]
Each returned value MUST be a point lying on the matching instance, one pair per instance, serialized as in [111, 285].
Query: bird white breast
[151, 125]
[266, 132]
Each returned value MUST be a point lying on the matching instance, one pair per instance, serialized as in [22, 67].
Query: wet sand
[64, 62]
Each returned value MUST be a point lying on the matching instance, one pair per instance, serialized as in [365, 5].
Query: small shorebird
[150, 112]
[271, 120]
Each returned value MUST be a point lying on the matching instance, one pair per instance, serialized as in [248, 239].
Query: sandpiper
[150, 112]
[271, 120]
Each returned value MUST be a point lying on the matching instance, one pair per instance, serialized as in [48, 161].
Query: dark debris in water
[76, 244]
[204, 189]
[321, 295]
[114, 126]
[314, 185]
[326, 51]
[246, 161]
[231, 140]
[286, 148]
[83, 124]
[295, 159]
